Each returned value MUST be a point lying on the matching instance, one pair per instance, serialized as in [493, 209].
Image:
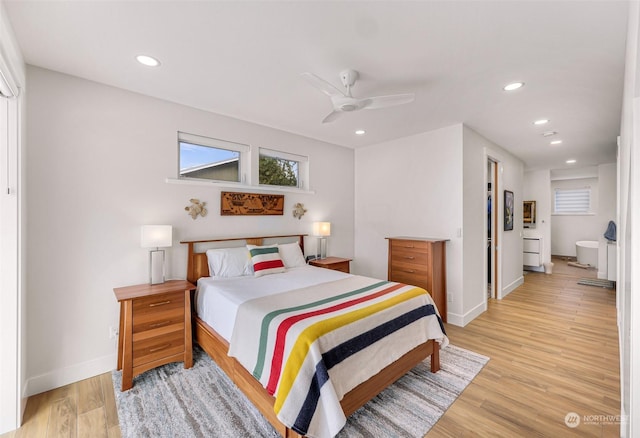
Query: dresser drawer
[157, 347]
[410, 245]
[413, 279]
[405, 255]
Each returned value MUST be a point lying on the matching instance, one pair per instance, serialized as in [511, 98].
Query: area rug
[596, 282]
[170, 401]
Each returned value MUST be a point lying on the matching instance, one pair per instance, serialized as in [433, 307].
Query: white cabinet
[612, 262]
[532, 251]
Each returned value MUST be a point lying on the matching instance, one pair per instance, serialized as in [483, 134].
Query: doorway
[492, 229]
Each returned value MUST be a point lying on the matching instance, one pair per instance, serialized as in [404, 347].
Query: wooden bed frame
[217, 347]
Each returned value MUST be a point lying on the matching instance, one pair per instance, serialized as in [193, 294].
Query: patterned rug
[597, 282]
[170, 401]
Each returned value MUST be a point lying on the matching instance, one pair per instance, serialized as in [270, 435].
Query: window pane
[573, 200]
[278, 171]
[206, 162]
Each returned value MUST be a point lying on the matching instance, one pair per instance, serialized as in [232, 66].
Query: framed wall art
[508, 210]
[250, 204]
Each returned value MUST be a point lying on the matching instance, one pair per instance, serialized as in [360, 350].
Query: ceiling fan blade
[322, 85]
[392, 100]
[332, 116]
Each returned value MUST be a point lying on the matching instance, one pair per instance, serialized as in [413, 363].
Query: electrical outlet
[113, 332]
[449, 298]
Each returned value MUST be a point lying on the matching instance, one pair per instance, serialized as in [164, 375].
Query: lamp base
[321, 248]
[156, 266]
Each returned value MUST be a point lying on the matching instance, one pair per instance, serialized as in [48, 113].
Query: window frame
[301, 160]
[214, 143]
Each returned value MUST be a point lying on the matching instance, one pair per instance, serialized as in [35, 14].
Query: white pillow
[265, 259]
[291, 255]
[229, 262]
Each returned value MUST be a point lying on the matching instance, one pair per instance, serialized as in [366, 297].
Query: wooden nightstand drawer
[143, 322]
[158, 303]
[158, 347]
[333, 263]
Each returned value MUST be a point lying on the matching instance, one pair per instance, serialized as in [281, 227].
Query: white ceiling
[244, 59]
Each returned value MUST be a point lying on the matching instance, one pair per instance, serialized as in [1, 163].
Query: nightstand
[335, 263]
[155, 327]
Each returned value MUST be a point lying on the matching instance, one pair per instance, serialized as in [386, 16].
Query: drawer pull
[161, 303]
[409, 258]
[409, 246]
[410, 271]
[162, 347]
[160, 324]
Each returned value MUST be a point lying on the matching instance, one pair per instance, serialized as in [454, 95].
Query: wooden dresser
[420, 261]
[155, 327]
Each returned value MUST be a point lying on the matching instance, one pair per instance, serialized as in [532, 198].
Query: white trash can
[548, 268]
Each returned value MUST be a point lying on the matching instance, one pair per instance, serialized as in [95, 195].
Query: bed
[275, 290]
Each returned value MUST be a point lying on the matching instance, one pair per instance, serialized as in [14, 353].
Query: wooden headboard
[197, 265]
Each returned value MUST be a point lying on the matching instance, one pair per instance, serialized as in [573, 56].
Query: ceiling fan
[345, 102]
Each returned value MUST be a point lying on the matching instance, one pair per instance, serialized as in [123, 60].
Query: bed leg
[435, 358]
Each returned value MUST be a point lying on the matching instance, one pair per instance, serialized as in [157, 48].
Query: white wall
[12, 205]
[537, 187]
[432, 185]
[98, 160]
[410, 187]
[477, 150]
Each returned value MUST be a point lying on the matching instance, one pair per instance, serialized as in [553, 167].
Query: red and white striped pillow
[265, 259]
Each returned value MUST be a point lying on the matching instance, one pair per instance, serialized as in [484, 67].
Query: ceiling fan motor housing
[348, 77]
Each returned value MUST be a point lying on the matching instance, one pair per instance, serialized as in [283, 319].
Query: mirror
[529, 214]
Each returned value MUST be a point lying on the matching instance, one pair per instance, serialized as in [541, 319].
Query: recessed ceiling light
[556, 142]
[147, 60]
[541, 122]
[571, 161]
[360, 132]
[549, 133]
[513, 86]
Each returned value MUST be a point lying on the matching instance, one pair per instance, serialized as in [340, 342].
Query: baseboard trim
[462, 320]
[513, 286]
[74, 373]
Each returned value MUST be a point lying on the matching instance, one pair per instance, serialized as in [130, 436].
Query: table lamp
[321, 230]
[156, 236]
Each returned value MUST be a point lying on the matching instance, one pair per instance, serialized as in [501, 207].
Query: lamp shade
[156, 236]
[322, 229]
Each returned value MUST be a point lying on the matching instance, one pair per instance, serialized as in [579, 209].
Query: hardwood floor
[85, 409]
[553, 346]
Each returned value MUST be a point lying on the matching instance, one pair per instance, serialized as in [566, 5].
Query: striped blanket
[310, 346]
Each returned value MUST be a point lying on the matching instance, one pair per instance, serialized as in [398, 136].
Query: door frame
[496, 230]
